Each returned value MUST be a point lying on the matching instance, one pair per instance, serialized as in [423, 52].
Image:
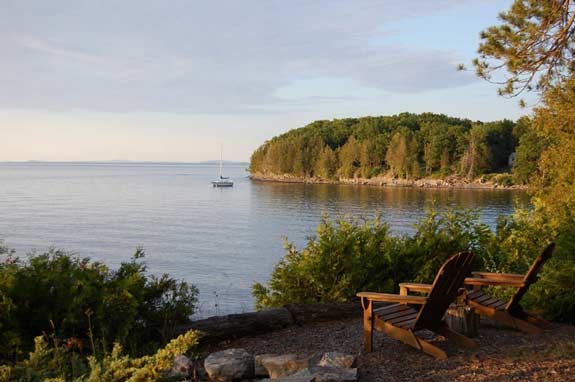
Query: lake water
[221, 240]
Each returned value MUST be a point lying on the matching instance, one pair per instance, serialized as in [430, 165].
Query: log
[307, 313]
[232, 326]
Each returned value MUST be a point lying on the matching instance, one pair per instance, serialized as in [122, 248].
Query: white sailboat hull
[222, 183]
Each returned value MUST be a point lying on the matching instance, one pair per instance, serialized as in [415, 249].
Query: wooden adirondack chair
[509, 312]
[408, 314]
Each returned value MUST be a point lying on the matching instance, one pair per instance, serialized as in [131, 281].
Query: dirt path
[504, 355]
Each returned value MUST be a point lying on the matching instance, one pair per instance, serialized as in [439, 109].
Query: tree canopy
[533, 47]
[404, 145]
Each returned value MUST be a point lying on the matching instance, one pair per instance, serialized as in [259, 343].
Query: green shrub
[554, 293]
[349, 255]
[71, 297]
[53, 362]
[440, 236]
[344, 255]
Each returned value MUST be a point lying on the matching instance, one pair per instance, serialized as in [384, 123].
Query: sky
[155, 80]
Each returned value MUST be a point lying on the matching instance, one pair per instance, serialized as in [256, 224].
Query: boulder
[283, 365]
[337, 359]
[182, 367]
[259, 369]
[229, 365]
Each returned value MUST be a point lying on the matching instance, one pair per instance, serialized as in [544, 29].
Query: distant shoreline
[451, 182]
[128, 162]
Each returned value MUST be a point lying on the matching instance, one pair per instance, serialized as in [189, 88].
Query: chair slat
[474, 294]
[490, 302]
[483, 299]
[402, 313]
[390, 309]
[399, 320]
[407, 324]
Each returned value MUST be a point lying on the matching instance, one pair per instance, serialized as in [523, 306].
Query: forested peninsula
[405, 149]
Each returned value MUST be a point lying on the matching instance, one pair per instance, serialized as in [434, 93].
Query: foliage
[533, 46]
[554, 195]
[555, 180]
[57, 363]
[349, 255]
[401, 145]
[326, 165]
[528, 151]
[344, 255]
[78, 298]
[475, 160]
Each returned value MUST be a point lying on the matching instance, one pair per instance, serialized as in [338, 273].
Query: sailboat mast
[221, 158]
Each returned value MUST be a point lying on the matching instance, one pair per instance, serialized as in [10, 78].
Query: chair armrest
[405, 288]
[498, 276]
[492, 282]
[386, 297]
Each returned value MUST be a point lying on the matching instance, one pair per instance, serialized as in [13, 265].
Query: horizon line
[122, 161]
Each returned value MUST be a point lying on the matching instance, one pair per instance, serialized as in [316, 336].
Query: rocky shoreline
[455, 182]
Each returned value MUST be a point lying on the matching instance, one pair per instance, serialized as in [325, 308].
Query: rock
[337, 359]
[182, 367]
[284, 365]
[259, 369]
[329, 374]
[303, 373]
[229, 365]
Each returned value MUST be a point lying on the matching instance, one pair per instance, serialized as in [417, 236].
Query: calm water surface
[221, 240]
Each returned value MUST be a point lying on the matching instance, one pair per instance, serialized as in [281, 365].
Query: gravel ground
[504, 355]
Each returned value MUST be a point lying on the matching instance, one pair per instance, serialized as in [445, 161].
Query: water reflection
[401, 206]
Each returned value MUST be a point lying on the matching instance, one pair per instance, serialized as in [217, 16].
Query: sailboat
[223, 181]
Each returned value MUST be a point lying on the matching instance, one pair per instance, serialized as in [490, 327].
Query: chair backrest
[530, 277]
[444, 291]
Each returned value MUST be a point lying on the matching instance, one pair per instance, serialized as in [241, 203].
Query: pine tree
[326, 165]
[396, 156]
[349, 156]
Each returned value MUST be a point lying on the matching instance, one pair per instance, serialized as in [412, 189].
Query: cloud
[45, 47]
[208, 57]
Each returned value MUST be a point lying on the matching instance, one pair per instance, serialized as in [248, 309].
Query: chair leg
[408, 337]
[367, 325]
[459, 339]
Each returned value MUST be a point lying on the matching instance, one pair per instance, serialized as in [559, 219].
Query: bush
[554, 293]
[344, 255]
[76, 298]
[349, 255]
[50, 361]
